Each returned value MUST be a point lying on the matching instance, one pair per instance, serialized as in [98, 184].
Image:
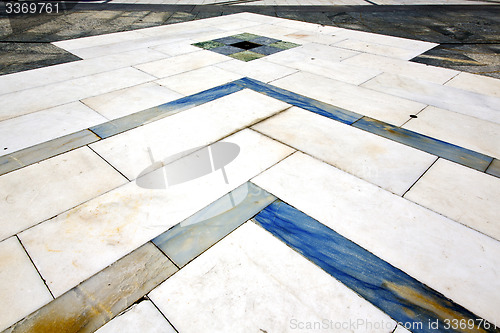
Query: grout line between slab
[159, 249]
[36, 268]
[451, 78]
[163, 315]
[430, 166]
[111, 165]
[485, 171]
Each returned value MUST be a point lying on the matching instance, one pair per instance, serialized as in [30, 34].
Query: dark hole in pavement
[246, 45]
[413, 116]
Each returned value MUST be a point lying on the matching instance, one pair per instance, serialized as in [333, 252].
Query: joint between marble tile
[493, 168]
[163, 252]
[163, 315]
[111, 165]
[36, 268]
[430, 166]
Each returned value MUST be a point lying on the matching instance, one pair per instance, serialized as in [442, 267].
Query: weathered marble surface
[95, 301]
[396, 293]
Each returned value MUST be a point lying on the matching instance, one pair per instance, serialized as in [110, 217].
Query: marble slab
[134, 120]
[193, 236]
[75, 69]
[390, 165]
[338, 70]
[258, 69]
[237, 25]
[403, 298]
[94, 302]
[38, 127]
[419, 71]
[476, 83]
[127, 101]
[198, 80]
[381, 106]
[410, 44]
[51, 95]
[178, 28]
[464, 195]
[433, 146]
[462, 130]
[91, 41]
[444, 97]
[21, 288]
[316, 37]
[270, 30]
[52, 187]
[236, 286]
[125, 46]
[175, 49]
[141, 317]
[181, 63]
[379, 49]
[128, 152]
[460, 263]
[311, 50]
[80, 242]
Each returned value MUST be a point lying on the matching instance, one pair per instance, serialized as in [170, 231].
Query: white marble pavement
[68, 217]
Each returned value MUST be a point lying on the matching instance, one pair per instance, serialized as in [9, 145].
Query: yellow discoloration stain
[57, 322]
[97, 307]
[430, 304]
[298, 35]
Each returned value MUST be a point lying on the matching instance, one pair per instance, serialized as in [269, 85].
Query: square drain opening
[246, 45]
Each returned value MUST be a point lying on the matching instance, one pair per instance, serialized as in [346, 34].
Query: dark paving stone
[483, 59]
[266, 50]
[17, 57]
[227, 40]
[264, 40]
[226, 50]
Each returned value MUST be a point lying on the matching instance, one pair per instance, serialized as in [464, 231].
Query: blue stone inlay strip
[186, 240]
[393, 291]
[433, 146]
[494, 168]
[327, 110]
[158, 112]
